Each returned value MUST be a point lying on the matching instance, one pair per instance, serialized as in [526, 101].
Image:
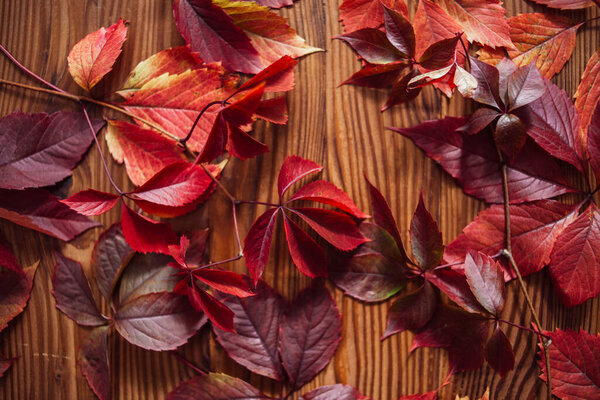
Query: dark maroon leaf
[14, 293]
[258, 243]
[256, 341]
[310, 334]
[334, 392]
[439, 54]
[292, 170]
[486, 280]
[144, 234]
[524, 86]
[510, 135]
[373, 46]
[412, 311]
[145, 274]
[487, 77]
[479, 120]
[40, 149]
[376, 76]
[93, 359]
[8, 259]
[454, 285]
[306, 253]
[399, 32]
[506, 68]
[425, 237]
[593, 142]
[244, 146]
[73, 294]
[216, 386]
[401, 93]
[91, 202]
[499, 352]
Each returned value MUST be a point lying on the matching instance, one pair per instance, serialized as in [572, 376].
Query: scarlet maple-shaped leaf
[359, 14]
[258, 242]
[574, 365]
[94, 55]
[212, 33]
[93, 359]
[588, 91]
[310, 333]
[534, 229]
[566, 4]
[111, 254]
[499, 353]
[545, 39]
[425, 237]
[5, 364]
[305, 252]
[412, 311]
[15, 290]
[334, 392]
[432, 24]
[144, 151]
[375, 271]
[574, 259]
[216, 386]
[269, 33]
[157, 321]
[486, 280]
[91, 202]
[73, 294]
[482, 20]
[473, 161]
[144, 234]
[292, 170]
[255, 343]
[145, 274]
[41, 149]
[40, 210]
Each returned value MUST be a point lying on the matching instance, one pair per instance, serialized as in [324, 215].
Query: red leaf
[216, 312]
[15, 291]
[309, 335]
[224, 281]
[279, 76]
[510, 135]
[157, 321]
[256, 321]
[292, 170]
[425, 396]
[574, 364]
[41, 149]
[334, 392]
[8, 259]
[194, 255]
[593, 142]
[212, 34]
[566, 4]
[306, 253]
[534, 229]
[93, 359]
[401, 93]
[412, 311]
[574, 265]
[376, 76]
[588, 91]
[327, 193]
[373, 46]
[258, 243]
[524, 86]
[73, 294]
[91, 202]
[473, 161]
[244, 146]
[273, 110]
[144, 151]
[146, 235]
[216, 141]
[454, 285]
[375, 271]
[242, 108]
[93, 56]
[482, 20]
[425, 237]
[215, 386]
[486, 280]
[432, 24]
[399, 31]
[5, 364]
[499, 352]
[488, 81]
[110, 256]
[479, 120]
[359, 14]
[439, 54]
[337, 228]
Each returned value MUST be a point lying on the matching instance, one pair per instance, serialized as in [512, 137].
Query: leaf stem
[219, 184]
[507, 252]
[523, 328]
[188, 363]
[258, 202]
[237, 231]
[214, 264]
[184, 140]
[460, 38]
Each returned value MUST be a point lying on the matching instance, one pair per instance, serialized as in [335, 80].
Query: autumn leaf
[588, 91]
[91, 202]
[499, 353]
[425, 237]
[486, 280]
[360, 14]
[566, 4]
[334, 392]
[93, 359]
[5, 364]
[144, 234]
[412, 311]
[93, 56]
[215, 386]
[432, 24]
[15, 290]
[8, 259]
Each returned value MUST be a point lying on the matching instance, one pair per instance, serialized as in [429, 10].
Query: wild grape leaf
[40, 210]
[278, 77]
[439, 54]
[479, 120]
[425, 237]
[157, 321]
[269, 33]
[110, 255]
[40, 149]
[73, 294]
[216, 386]
[5, 364]
[524, 86]
[258, 243]
[510, 135]
[376, 76]
[486, 280]
[273, 110]
[91, 202]
[309, 335]
[588, 91]
[15, 291]
[144, 234]
[574, 259]
[255, 343]
[375, 271]
[412, 311]
[574, 364]
[359, 14]
[305, 252]
[488, 81]
[212, 33]
[242, 145]
[499, 353]
[473, 161]
[292, 170]
[453, 283]
[482, 20]
[327, 193]
[203, 302]
[94, 55]
[593, 142]
[93, 359]
[399, 31]
[334, 392]
[432, 24]
[548, 40]
[401, 92]
[8, 259]
[566, 4]
[534, 229]
[373, 46]
[144, 151]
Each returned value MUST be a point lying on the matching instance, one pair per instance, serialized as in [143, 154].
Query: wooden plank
[341, 128]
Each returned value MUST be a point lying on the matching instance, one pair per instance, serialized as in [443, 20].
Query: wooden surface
[342, 129]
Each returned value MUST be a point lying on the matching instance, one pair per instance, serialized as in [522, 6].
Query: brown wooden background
[341, 128]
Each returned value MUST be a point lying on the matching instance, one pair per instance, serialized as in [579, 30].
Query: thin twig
[28, 71]
[214, 264]
[184, 140]
[523, 328]
[188, 363]
[219, 184]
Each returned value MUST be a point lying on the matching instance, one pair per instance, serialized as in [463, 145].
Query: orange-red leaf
[431, 25]
[359, 14]
[566, 4]
[588, 91]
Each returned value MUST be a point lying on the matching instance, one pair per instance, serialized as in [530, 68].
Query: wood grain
[342, 129]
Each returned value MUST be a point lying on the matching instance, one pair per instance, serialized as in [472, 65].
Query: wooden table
[341, 128]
